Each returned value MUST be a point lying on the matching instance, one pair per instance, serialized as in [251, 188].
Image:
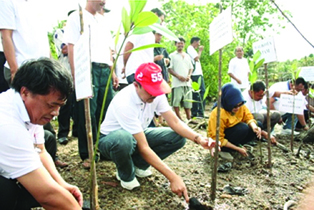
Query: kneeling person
[127, 140]
[28, 176]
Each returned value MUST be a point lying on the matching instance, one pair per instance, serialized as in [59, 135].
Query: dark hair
[258, 86]
[181, 40]
[300, 80]
[195, 39]
[159, 12]
[43, 75]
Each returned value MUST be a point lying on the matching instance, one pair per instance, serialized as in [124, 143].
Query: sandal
[86, 164]
[60, 164]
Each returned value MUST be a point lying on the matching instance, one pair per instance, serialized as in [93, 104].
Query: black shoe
[63, 140]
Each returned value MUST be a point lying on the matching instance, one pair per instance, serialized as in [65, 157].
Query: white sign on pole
[221, 31]
[267, 49]
[286, 104]
[307, 73]
[82, 65]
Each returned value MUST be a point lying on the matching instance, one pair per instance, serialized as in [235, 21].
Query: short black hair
[195, 39]
[300, 80]
[181, 40]
[158, 11]
[43, 75]
[258, 86]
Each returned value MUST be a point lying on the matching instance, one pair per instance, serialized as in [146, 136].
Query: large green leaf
[136, 7]
[164, 31]
[256, 56]
[146, 47]
[145, 19]
[126, 22]
[195, 86]
[141, 30]
[259, 63]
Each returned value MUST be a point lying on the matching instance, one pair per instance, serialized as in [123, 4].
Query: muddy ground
[264, 188]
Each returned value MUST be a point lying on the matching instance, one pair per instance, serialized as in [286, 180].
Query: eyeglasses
[238, 105]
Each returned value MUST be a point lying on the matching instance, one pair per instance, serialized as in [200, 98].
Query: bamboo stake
[269, 165]
[215, 162]
[93, 179]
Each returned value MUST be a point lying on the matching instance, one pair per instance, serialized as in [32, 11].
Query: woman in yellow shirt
[237, 124]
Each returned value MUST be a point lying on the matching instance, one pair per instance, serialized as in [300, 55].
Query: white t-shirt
[252, 105]
[198, 67]
[141, 56]
[29, 25]
[1, 47]
[182, 66]
[100, 36]
[240, 69]
[17, 137]
[279, 86]
[127, 111]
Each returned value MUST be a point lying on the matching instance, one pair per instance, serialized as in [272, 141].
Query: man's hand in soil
[178, 187]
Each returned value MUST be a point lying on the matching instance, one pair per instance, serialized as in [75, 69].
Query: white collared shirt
[100, 37]
[17, 137]
[127, 111]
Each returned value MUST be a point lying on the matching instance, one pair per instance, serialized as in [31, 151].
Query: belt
[100, 65]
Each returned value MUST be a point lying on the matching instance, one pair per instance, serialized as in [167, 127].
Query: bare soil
[267, 188]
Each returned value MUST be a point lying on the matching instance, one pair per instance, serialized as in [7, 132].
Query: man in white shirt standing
[239, 70]
[127, 140]
[181, 70]
[24, 32]
[197, 108]
[101, 58]
[135, 59]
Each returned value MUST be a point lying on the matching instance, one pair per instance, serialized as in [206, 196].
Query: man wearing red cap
[127, 140]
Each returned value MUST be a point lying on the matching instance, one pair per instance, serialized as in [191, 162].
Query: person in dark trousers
[237, 124]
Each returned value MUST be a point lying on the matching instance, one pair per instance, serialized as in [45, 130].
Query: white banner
[82, 65]
[267, 49]
[287, 101]
[307, 73]
[221, 31]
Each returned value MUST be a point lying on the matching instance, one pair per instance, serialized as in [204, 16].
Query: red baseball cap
[150, 77]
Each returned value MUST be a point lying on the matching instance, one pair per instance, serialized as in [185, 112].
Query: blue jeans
[287, 118]
[197, 108]
[121, 147]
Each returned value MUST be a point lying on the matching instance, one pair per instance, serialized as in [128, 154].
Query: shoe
[63, 140]
[128, 185]
[143, 173]
[60, 164]
[288, 132]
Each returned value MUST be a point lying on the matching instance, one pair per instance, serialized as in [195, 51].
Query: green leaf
[259, 63]
[256, 56]
[206, 93]
[145, 19]
[117, 36]
[195, 86]
[164, 31]
[191, 100]
[125, 21]
[146, 47]
[251, 64]
[136, 7]
[141, 30]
